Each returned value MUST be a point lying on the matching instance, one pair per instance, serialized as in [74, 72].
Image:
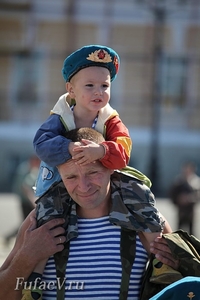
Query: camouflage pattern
[127, 252]
[133, 206]
[61, 259]
[56, 203]
[185, 248]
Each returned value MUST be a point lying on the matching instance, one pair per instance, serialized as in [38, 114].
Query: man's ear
[70, 90]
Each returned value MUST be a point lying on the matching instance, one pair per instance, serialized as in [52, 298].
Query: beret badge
[191, 295]
[103, 56]
[100, 56]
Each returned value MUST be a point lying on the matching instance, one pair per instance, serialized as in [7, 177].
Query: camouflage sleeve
[56, 203]
[185, 248]
[53, 204]
[133, 205]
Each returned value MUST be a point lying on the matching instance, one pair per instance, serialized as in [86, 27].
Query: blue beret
[88, 56]
[183, 289]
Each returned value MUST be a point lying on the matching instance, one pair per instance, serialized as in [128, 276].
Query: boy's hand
[87, 152]
[72, 146]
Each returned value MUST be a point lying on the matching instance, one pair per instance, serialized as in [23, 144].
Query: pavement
[11, 218]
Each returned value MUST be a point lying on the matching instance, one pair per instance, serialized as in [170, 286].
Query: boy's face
[90, 87]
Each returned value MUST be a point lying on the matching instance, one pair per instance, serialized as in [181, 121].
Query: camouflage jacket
[133, 206]
[185, 248]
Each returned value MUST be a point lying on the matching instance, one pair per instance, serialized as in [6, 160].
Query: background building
[157, 91]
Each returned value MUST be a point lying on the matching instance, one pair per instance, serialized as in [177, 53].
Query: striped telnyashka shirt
[94, 266]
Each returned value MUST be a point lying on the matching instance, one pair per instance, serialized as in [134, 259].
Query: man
[98, 225]
[98, 241]
[185, 194]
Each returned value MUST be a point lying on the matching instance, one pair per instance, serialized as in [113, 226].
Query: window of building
[173, 82]
[27, 79]
[25, 82]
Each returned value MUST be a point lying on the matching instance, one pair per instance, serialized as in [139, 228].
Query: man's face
[88, 186]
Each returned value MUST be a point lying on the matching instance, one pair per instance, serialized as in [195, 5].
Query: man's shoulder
[127, 178]
[132, 189]
[133, 204]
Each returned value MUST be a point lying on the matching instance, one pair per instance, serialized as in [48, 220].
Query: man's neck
[94, 213]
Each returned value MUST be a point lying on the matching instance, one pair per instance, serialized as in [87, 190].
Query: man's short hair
[77, 134]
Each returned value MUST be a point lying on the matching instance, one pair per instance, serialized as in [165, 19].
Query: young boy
[88, 73]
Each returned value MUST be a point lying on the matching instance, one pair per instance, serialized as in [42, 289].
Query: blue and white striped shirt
[94, 264]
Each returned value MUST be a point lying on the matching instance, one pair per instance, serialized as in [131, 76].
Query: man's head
[77, 134]
[90, 56]
[88, 186]
[188, 169]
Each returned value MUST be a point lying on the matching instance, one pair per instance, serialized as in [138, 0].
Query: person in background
[185, 193]
[24, 181]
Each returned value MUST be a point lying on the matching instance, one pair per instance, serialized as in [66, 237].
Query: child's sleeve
[50, 144]
[117, 146]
